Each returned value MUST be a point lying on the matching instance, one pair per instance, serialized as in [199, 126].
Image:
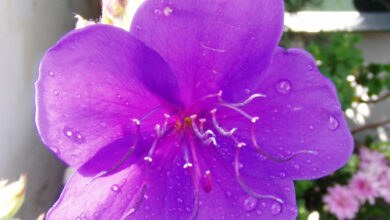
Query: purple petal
[126, 193]
[300, 116]
[228, 200]
[212, 45]
[92, 84]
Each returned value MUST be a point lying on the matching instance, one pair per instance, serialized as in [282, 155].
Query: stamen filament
[248, 100]
[125, 157]
[265, 154]
[246, 115]
[246, 188]
[218, 127]
[206, 184]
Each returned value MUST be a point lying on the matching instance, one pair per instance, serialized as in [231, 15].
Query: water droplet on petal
[115, 188]
[55, 92]
[296, 166]
[73, 135]
[287, 188]
[77, 218]
[282, 174]
[248, 203]
[259, 212]
[51, 74]
[333, 123]
[179, 200]
[276, 208]
[283, 87]
[264, 204]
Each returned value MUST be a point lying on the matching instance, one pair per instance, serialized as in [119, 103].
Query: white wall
[27, 29]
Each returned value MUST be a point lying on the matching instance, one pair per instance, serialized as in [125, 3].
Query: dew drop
[77, 218]
[333, 123]
[115, 188]
[296, 166]
[259, 212]
[310, 67]
[55, 92]
[264, 204]
[276, 208]
[179, 200]
[282, 174]
[248, 203]
[51, 74]
[73, 135]
[287, 189]
[229, 194]
[283, 87]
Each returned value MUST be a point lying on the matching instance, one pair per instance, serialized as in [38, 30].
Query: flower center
[201, 127]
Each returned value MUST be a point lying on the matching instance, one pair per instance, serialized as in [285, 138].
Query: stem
[370, 126]
[381, 98]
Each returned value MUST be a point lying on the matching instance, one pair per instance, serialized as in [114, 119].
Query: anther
[254, 119]
[148, 158]
[187, 165]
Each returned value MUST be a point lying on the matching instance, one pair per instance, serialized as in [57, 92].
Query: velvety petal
[212, 45]
[228, 200]
[92, 84]
[131, 190]
[300, 113]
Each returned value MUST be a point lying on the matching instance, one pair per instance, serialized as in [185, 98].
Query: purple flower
[210, 120]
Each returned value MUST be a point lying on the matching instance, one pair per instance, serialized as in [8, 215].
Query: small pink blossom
[384, 186]
[372, 161]
[341, 202]
[364, 187]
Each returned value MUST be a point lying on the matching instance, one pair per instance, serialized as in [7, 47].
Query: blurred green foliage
[296, 5]
[338, 57]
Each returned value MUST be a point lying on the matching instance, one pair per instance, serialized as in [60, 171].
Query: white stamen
[248, 100]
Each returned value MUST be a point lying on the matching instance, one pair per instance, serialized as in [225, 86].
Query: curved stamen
[201, 123]
[152, 112]
[248, 100]
[246, 115]
[125, 157]
[138, 202]
[219, 128]
[196, 192]
[205, 181]
[265, 154]
[246, 188]
[203, 136]
[201, 99]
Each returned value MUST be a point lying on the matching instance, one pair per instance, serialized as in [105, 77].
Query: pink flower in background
[364, 187]
[372, 161]
[384, 186]
[341, 202]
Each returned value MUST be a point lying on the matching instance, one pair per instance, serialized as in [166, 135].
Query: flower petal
[92, 84]
[126, 193]
[212, 45]
[228, 200]
[301, 116]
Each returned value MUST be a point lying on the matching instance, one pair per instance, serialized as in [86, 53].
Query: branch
[381, 98]
[370, 126]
